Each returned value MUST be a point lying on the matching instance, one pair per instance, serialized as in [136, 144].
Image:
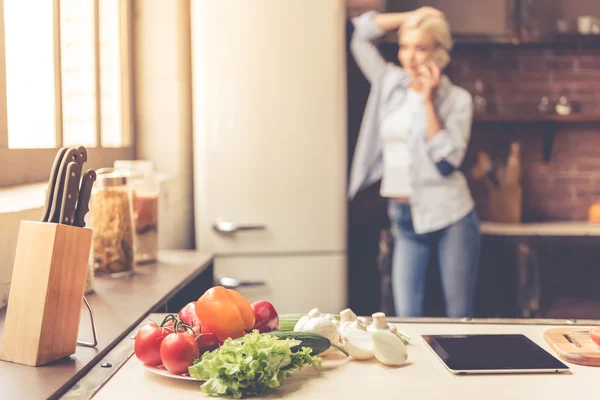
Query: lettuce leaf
[250, 365]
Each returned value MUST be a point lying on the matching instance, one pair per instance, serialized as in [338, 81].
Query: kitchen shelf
[554, 118]
[571, 40]
[567, 40]
[546, 229]
[562, 40]
[548, 122]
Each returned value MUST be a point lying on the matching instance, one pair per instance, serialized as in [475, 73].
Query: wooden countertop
[423, 377]
[559, 228]
[119, 305]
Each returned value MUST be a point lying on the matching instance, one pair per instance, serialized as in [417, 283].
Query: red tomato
[148, 342]
[188, 314]
[595, 335]
[178, 351]
[265, 316]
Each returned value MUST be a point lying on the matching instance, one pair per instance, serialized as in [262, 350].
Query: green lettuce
[250, 366]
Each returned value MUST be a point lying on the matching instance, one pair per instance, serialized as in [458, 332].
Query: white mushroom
[388, 348]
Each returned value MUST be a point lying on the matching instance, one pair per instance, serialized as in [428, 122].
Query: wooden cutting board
[574, 345]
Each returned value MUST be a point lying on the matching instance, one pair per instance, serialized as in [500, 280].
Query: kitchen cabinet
[294, 284]
[543, 275]
[542, 20]
[513, 21]
[471, 20]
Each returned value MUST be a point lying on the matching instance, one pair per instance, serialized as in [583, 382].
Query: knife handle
[69, 156]
[83, 153]
[70, 193]
[84, 198]
[52, 183]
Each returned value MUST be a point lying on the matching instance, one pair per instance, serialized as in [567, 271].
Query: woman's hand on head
[429, 78]
[427, 12]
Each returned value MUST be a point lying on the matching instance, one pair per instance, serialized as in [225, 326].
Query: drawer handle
[232, 283]
[229, 228]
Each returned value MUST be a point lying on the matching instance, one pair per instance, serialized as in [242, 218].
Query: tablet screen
[501, 353]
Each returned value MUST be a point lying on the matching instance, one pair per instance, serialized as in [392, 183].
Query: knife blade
[84, 198]
[52, 183]
[71, 155]
[70, 193]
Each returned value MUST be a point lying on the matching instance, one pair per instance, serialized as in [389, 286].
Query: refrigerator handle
[232, 283]
[229, 228]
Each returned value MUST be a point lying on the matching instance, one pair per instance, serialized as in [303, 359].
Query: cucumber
[316, 342]
[319, 344]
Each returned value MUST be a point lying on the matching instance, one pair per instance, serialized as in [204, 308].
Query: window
[64, 81]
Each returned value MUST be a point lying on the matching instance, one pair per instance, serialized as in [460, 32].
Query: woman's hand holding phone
[429, 79]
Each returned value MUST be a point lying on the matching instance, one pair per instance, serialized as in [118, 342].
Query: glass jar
[145, 194]
[112, 224]
[89, 280]
[479, 99]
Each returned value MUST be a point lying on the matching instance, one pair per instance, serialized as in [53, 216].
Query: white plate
[160, 370]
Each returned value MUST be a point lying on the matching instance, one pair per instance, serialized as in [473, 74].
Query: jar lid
[110, 177]
[135, 167]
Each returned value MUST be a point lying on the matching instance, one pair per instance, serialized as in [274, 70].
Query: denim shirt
[440, 194]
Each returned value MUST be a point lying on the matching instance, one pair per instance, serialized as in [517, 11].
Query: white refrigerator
[269, 98]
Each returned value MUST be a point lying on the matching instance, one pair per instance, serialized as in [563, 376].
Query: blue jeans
[458, 253]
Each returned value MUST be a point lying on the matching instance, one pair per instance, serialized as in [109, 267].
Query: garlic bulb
[388, 348]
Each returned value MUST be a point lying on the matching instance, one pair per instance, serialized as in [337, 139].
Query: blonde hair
[437, 27]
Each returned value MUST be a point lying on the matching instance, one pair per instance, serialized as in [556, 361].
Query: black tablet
[489, 354]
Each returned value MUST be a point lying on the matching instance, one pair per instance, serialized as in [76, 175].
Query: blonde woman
[413, 136]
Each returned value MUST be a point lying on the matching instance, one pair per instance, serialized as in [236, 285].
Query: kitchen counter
[530, 241]
[424, 376]
[558, 228]
[119, 305]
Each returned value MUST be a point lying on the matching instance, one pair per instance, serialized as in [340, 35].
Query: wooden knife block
[505, 203]
[46, 293]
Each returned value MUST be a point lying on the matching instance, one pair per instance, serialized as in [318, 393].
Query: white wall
[163, 109]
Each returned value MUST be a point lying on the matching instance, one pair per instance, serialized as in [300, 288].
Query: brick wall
[516, 79]
[563, 188]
